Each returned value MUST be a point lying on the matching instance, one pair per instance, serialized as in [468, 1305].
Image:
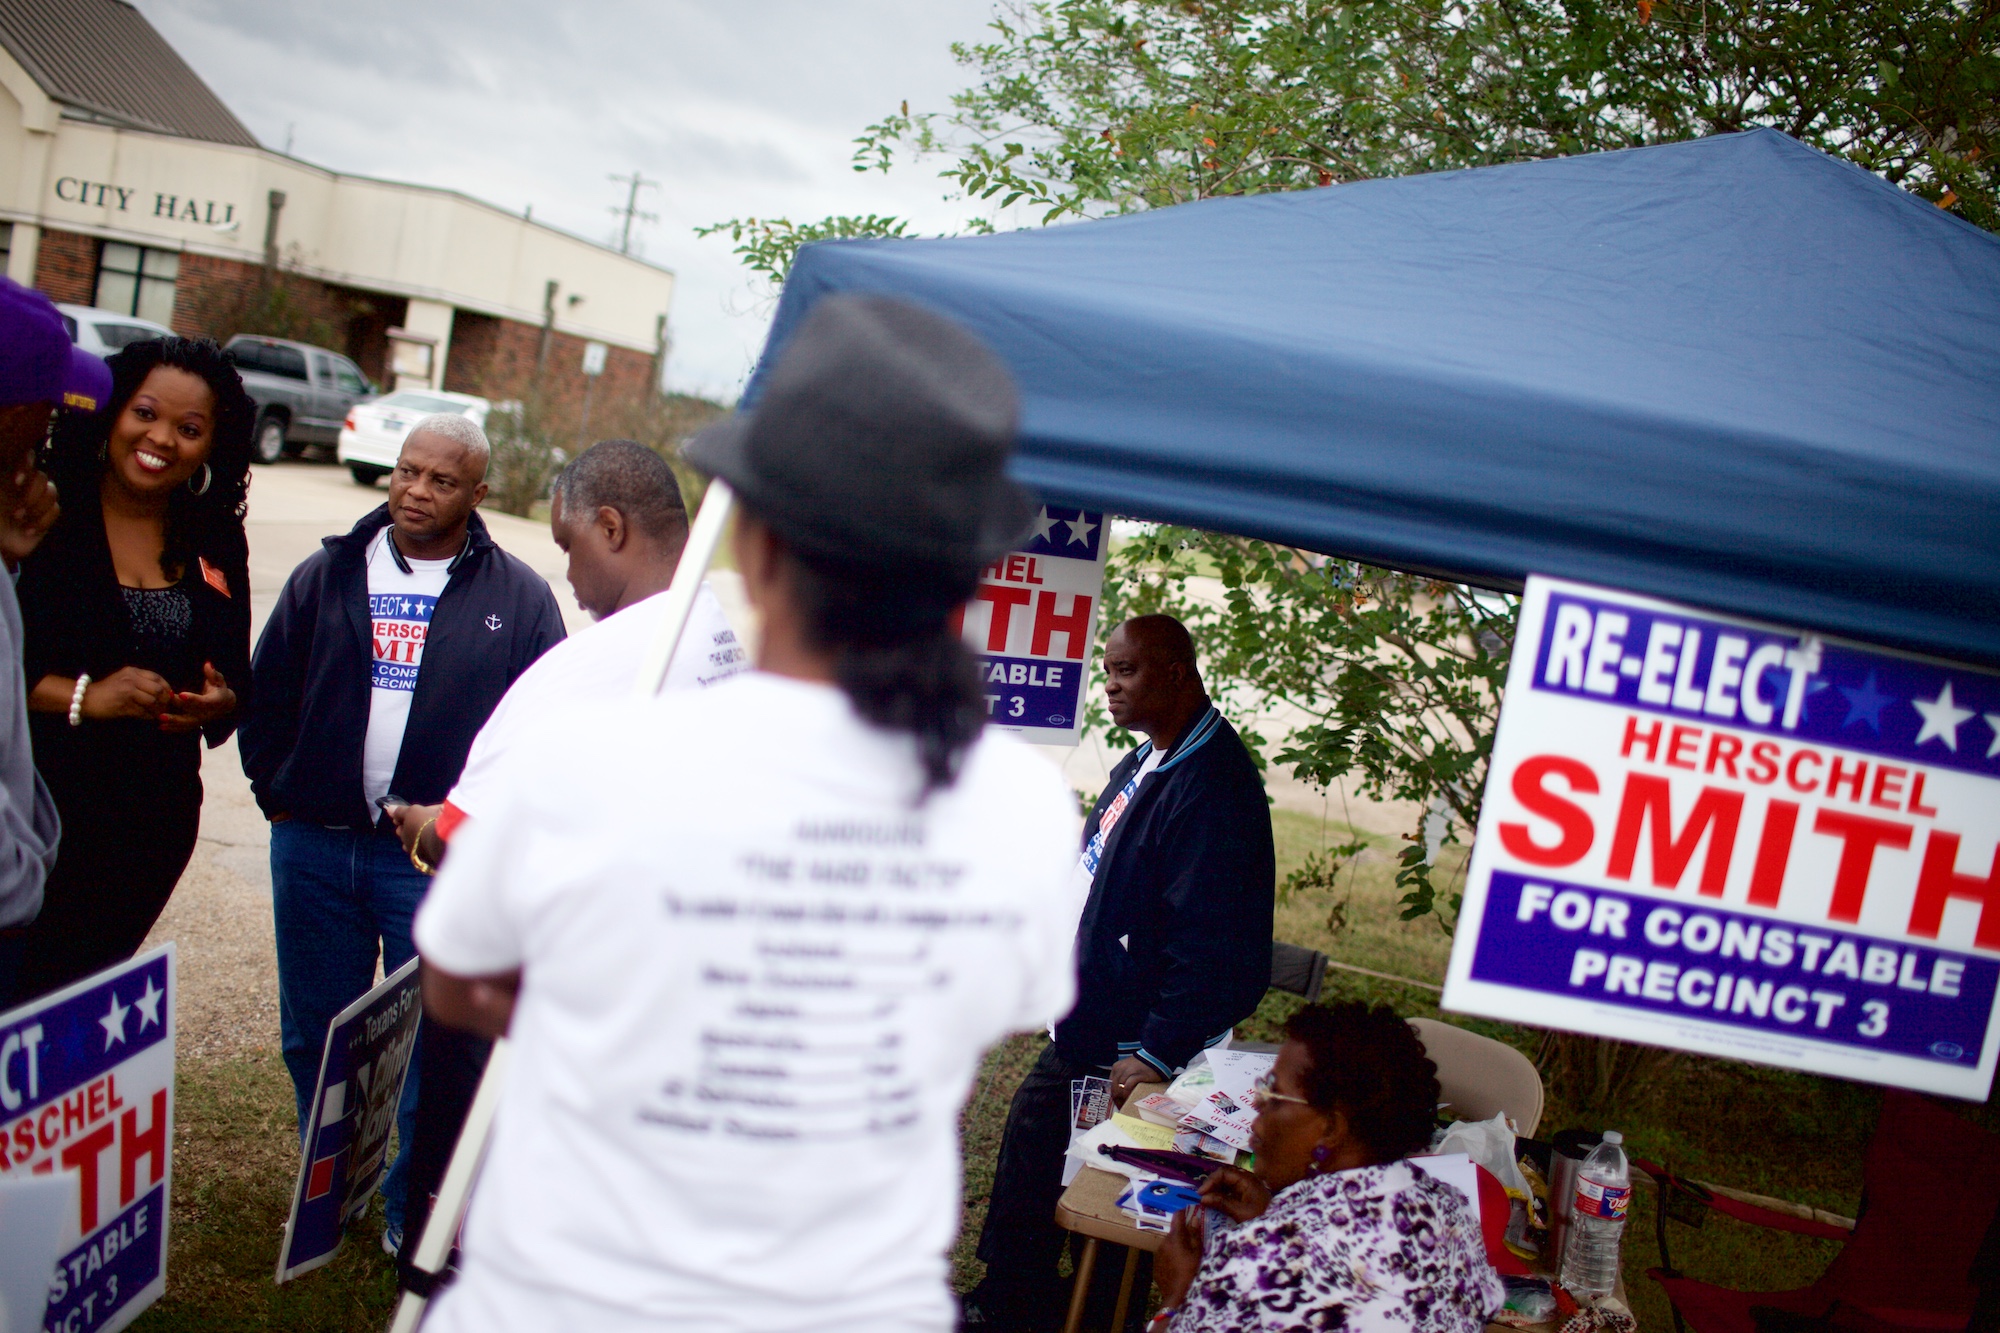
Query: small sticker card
[1090, 1101]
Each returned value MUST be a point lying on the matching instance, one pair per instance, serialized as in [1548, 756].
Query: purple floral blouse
[1378, 1248]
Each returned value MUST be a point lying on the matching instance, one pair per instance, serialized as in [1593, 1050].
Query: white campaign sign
[1033, 624]
[87, 1087]
[1720, 836]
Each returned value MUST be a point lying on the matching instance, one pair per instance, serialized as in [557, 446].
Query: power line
[631, 211]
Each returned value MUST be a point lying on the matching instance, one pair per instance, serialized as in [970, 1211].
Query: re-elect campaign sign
[361, 1072]
[1725, 837]
[1032, 623]
[87, 1085]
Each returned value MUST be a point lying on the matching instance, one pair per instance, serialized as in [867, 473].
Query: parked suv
[302, 392]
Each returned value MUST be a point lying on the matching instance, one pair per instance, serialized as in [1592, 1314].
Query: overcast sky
[739, 107]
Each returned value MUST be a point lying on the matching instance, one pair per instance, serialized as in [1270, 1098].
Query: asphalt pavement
[220, 915]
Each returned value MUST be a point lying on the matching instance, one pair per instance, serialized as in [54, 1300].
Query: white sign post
[1719, 836]
[1033, 623]
[87, 1088]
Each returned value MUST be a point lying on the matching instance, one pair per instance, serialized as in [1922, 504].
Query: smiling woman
[136, 610]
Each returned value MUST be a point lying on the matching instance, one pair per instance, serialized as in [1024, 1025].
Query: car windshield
[117, 336]
[271, 358]
[421, 402]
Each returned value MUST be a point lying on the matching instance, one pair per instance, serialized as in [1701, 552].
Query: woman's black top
[77, 618]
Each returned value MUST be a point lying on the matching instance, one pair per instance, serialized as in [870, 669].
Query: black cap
[882, 437]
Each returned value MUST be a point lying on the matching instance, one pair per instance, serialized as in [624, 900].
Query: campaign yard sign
[1720, 836]
[361, 1072]
[87, 1086]
[1032, 622]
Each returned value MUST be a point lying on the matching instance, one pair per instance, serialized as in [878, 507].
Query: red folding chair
[1931, 1191]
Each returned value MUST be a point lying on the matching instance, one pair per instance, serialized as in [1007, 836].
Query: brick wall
[66, 267]
[496, 359]
[493, 357]
[219, 298]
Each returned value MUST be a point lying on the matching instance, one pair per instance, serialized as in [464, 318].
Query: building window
[137, 280]
[6, 244]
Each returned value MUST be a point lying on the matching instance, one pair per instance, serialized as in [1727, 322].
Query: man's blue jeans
[339, 896]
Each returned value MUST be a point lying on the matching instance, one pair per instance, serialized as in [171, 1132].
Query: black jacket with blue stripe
[1174, 946]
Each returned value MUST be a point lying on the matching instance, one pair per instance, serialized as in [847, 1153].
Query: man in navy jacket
[386, 651]
[1174, 947]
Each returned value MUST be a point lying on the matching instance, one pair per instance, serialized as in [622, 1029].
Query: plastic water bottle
[1603, 1194]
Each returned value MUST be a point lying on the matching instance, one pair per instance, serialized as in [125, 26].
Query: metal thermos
[1570, 1147]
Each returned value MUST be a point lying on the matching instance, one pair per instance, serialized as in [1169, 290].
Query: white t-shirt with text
[757, 982]
[600, 664]
[400, 606]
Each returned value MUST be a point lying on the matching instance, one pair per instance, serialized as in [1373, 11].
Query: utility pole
[631, 211]
[548, 330]
[275, 204]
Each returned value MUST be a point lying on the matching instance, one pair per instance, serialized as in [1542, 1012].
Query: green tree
[1079, 107]
[766, 245]
[1386, 680]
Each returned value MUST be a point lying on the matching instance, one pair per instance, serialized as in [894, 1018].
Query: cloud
[738, 107]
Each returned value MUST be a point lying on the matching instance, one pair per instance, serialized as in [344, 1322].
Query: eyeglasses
[1266, 1090]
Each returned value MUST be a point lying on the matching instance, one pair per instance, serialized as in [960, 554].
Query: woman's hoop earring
[207, 475]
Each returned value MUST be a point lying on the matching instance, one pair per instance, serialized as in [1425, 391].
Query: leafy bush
[525, 458]
[1392, 680]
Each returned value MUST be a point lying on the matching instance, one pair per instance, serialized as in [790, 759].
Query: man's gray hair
[462, 431]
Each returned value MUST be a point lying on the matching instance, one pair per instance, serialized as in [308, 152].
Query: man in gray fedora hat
[748, 988]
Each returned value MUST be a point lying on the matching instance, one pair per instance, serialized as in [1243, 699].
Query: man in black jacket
[386, 651]
[1174, 947]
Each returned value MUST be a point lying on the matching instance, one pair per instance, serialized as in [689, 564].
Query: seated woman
[1334, 1231]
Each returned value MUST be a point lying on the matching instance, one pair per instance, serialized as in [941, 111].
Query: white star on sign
[1042, 523]
[113, 1022]
[1941, 718]
[148, 1005]
[1993, 724]
[1079, 531]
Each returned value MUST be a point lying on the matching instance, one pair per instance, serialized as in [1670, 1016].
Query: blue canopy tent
[1734, 372]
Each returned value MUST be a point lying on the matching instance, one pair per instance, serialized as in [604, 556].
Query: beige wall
[430, 245]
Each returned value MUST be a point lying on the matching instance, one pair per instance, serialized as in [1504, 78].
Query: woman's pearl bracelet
[76, 701]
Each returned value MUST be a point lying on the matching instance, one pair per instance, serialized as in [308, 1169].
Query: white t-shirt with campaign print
[400, 606]
[600, 664]
[757, 979]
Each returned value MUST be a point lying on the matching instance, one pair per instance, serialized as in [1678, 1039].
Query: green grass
[1795, 1136]
[236, 1153]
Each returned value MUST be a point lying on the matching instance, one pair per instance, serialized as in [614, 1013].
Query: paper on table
[1195, 1082]
[1221, 1116]
[1083, 1152]
[1237, 1072]
[1454, 1169]
[1144, 1133]
[1159, 1109]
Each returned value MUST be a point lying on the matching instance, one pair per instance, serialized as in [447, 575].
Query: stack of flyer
[1212, 1104]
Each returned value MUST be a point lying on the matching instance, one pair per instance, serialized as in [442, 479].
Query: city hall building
[126, 183]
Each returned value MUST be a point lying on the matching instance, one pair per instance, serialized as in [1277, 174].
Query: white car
[102, 332]
[372, 438]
